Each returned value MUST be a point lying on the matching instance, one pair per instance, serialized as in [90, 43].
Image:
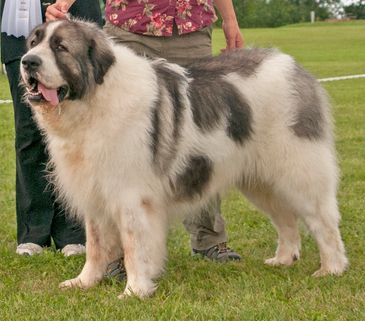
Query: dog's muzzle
[37, 92]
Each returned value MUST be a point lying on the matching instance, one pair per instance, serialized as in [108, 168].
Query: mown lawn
[194, 289]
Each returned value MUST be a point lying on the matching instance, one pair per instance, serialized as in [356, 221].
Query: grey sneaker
[28, 249]
[116, 270]
[219, 253]
[73, 249]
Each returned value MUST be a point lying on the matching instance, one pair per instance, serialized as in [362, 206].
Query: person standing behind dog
[181, 32]
[39, 217]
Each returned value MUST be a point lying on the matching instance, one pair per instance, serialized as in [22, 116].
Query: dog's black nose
[31, 62]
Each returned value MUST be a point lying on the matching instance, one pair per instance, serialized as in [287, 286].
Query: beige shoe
[28, 249]
[73, 249]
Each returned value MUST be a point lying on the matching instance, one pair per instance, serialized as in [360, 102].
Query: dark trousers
[39, 217]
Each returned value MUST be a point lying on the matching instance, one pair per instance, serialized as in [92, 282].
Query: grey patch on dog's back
[207, 102]
[195, 177]
[211, 101]
[213, 98]
[242, 61]
[308, 120]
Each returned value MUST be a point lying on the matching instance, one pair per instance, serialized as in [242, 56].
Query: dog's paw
[328, 271]
[140, 292]
[72, 283]
[324, 272]
[128, 294]
[276, 261]
[335, 267]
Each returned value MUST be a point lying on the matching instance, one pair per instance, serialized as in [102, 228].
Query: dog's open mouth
[38, 92]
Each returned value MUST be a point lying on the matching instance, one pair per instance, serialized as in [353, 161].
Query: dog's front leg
[102, 247]
[143, 234]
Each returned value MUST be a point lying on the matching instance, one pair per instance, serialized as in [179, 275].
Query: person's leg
[208, 236]
[67, 231]
[34, 204]
[207, 228]
[207, 233]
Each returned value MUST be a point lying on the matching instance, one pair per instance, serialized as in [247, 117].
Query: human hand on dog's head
[58, 10]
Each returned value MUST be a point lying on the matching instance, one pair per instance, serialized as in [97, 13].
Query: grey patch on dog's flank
[163, 148]
[213, 98]
[308, 120]
[155, 131]
[172, 81]
[167, 114]
[192, 181]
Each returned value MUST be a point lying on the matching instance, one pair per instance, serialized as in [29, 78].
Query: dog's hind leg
[285, 222]
[143, 233]
[102, 247]
[323, 224]
[311, 191]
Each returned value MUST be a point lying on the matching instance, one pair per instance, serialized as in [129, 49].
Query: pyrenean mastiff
[132, 141]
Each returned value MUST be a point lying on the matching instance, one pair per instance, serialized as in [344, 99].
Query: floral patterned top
[156, 17]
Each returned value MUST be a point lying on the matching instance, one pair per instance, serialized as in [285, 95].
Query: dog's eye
[33, 43]
[61, 47]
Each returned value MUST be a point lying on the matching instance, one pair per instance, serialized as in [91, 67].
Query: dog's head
[65, 60]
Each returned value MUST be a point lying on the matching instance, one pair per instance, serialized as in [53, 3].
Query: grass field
[193, 289]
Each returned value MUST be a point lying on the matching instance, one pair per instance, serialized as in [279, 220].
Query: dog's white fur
[101, 154]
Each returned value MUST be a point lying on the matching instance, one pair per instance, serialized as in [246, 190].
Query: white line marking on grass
[6, 101]
[9, 101]
[341, 78]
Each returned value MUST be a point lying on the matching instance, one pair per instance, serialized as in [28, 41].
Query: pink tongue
[49, 94]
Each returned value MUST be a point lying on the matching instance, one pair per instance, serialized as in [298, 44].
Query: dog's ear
[101, 56]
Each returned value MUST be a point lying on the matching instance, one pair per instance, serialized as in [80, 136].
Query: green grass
[193, 289]
[334, 49]
[5, 91]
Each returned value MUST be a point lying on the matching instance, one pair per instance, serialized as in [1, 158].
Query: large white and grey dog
[133, 141]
